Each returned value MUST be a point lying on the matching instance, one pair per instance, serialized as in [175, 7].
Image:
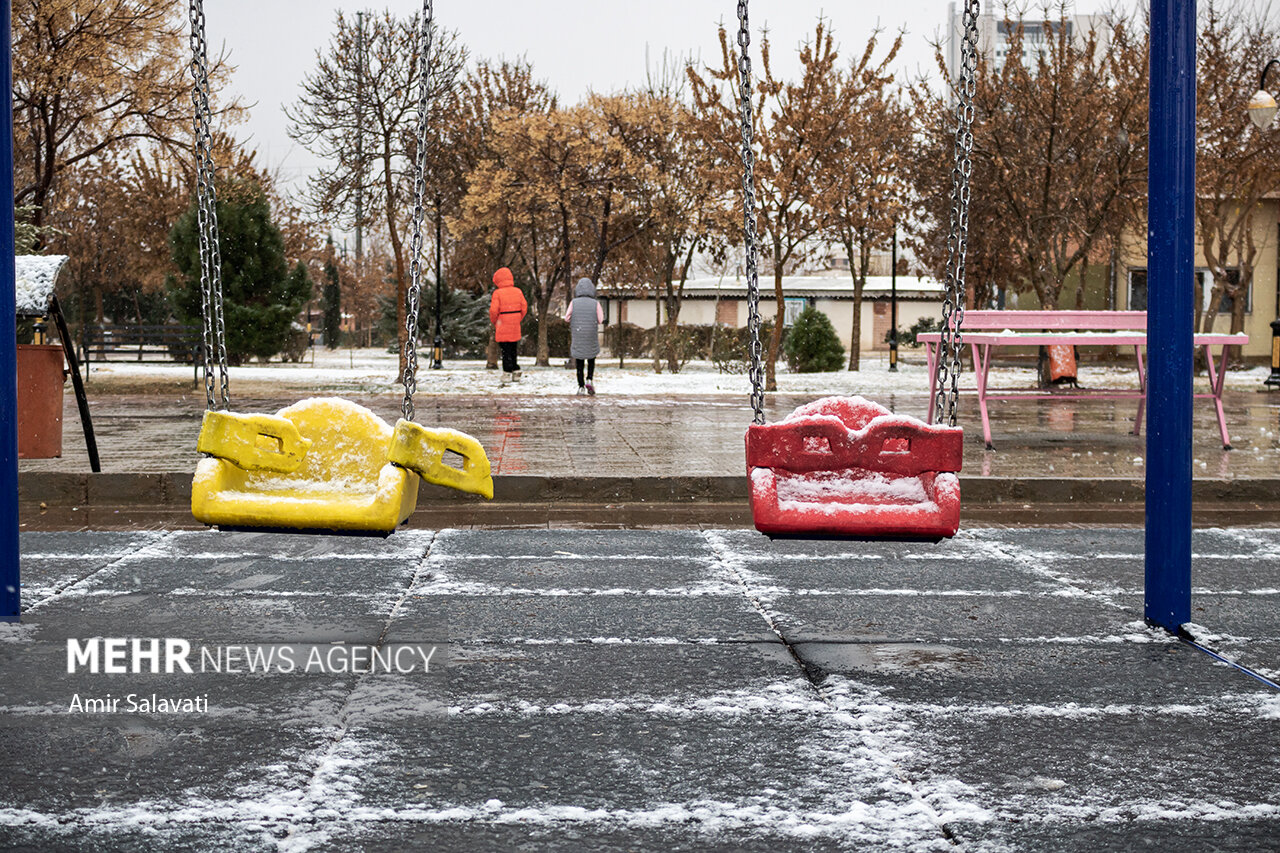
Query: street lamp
[1262, 110]
[1262, 106]
[437, 348]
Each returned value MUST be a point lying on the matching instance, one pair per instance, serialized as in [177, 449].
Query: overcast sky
[576, 45]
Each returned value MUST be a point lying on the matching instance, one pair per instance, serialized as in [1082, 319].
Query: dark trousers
[509, 356]
[591, 369]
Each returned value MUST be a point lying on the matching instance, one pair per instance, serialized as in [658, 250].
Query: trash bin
[40, 378]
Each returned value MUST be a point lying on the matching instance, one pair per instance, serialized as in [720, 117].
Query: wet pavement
[643, 690]
[662, 435]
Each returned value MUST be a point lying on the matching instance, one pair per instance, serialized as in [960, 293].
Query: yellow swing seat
[325, 464]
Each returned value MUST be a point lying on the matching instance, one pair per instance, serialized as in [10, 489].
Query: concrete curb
[174, 489]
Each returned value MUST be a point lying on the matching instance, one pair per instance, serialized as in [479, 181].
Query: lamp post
[437, 348]
[1262, 111]
[893, 303]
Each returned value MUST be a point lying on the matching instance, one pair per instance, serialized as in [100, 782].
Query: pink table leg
[1216, 380]
[981, 366]
[1142, 387]
[933, 380]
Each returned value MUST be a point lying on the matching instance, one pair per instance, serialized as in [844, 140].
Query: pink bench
[986, 331]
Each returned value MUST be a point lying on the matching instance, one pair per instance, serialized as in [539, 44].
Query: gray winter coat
[584, 322]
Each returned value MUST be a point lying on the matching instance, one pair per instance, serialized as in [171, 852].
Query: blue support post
[1170, 311]
[9, 584]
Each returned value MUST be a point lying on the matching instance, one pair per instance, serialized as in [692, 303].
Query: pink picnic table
[985, 343]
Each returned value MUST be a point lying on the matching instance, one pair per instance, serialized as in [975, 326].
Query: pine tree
[261, 295]
[812, 345]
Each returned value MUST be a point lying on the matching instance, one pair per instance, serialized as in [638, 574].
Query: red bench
[986, 331]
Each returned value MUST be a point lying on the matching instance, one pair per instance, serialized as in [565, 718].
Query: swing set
[320, 464]
[332, 464]
[845, 467]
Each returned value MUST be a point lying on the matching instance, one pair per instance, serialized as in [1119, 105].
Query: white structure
[724, 301]
[1038, 36]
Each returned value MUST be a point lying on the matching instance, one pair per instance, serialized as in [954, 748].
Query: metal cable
[415, 243]
[958, 235]
[756, 369]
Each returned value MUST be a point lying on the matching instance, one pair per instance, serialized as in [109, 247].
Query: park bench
[987, 331]
[139, 342]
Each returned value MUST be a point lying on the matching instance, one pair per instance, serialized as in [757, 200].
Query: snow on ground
[374, 370]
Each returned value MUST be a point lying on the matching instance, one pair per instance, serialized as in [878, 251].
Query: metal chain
[755, 370]
[958, 236]
[214, 326]
[419, 191]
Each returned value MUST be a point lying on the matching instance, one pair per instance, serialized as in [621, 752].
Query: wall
[702, 312]
[1257, 322]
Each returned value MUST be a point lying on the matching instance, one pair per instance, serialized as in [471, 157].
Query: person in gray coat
[585, 316]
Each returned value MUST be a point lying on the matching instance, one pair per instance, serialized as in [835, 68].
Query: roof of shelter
[36, 275]
[818, 286]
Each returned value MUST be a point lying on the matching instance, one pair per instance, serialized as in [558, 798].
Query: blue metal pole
[1170, 311]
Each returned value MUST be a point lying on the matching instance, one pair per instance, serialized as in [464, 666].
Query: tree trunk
[543, 303]
[673, 324]
[859, 284]
[657, 330]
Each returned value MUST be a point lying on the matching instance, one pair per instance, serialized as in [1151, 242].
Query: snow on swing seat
[324, 464]
[848, 467]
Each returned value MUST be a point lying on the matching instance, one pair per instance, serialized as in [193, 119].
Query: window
[793, 309]
[1137, 290]
[1204, 282]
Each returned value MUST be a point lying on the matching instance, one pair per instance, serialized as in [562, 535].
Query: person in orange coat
[506, 309]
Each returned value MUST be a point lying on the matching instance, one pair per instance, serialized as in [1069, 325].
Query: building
[724, 301]
[995, 32]
[1262, 301]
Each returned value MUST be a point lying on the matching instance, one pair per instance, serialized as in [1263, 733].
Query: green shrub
[924, 324]
[627, 340]
[686, 343]
[812, 345]
[557, 335]
[729, 346]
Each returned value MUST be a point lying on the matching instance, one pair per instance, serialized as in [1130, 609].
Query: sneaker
[581, 391]
[516, 376]
[591, 389]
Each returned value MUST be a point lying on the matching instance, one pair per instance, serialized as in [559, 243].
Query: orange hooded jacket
[507, 307]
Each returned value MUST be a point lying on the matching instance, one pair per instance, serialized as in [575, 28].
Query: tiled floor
[643, 691]
[654, 436]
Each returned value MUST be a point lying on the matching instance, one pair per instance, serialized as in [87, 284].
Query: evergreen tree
[812, 345]
[261, 295]
[332, 301]
[464, 320]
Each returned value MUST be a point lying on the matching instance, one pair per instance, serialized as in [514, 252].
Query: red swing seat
[848, 467]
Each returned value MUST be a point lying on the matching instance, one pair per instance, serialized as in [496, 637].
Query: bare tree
[870, 192]
[374, 99]
[1236, 164]
[795, 124]
[96, 79]
[1059, 156]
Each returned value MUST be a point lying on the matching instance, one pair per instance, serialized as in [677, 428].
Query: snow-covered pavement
[647, 690]
[373, 371]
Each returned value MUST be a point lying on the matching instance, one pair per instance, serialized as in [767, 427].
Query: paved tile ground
[649, 690]
[655, 436]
